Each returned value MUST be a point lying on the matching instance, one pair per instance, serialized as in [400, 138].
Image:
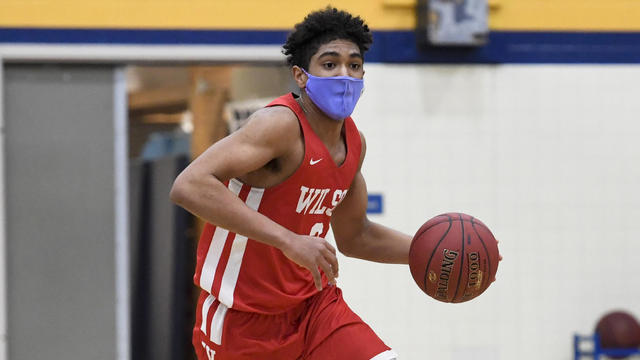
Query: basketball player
[269, 192]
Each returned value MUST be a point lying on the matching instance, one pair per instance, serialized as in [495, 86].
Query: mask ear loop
[306, 73]
[305, 84]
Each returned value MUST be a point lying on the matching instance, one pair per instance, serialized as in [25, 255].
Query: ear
[299, 76]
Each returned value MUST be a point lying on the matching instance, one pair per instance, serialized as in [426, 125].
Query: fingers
[328, 262]
[333, 261]
[330, 247]
[328, 270]
[316, 278]
[320, 255]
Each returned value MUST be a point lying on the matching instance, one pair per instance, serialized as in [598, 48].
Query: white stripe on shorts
[206, 305]
[386, 355]
[217, 324]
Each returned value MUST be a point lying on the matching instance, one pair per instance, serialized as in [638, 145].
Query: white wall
[548, 157]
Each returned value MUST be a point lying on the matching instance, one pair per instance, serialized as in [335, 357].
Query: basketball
[453, 257]
[618, 329]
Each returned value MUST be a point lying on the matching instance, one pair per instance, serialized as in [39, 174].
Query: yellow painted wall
[595, 15]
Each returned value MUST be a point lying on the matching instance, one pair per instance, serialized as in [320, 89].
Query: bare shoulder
[272, 124]
[273, 136]
[277, 114]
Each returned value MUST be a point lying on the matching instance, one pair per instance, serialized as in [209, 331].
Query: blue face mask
[336, 96]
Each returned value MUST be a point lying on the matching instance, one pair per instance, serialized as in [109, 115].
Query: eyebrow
[335, 53]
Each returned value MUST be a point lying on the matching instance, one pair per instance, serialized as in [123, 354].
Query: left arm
[357, 236]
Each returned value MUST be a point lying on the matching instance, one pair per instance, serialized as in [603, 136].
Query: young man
[269, 192]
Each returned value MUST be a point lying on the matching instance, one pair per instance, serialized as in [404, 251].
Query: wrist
[282, 239]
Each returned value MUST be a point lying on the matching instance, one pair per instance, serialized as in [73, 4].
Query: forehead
[340, 46]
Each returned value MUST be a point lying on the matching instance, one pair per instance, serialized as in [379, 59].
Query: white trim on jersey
[231, 272]
[230, 276]
[217, 324]
[215, 248]
[205, 312]
[386, 355]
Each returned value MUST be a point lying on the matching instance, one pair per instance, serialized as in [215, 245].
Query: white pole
[88, 53]
[3, 229]
[123, 345]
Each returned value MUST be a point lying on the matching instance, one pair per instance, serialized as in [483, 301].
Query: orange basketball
[454, 257]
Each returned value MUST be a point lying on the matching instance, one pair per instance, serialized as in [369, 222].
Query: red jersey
[247, 275]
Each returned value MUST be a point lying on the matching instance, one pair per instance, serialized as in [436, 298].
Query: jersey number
[316, 229]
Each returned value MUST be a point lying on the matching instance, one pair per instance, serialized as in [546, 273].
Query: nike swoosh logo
[313, 162]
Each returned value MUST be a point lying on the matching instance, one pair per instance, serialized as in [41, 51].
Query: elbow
[354, 243]
[179, 191]
[346, 248]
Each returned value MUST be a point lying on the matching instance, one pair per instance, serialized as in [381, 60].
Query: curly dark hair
[321, 27]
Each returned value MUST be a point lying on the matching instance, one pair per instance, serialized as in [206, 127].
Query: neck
[327, 129]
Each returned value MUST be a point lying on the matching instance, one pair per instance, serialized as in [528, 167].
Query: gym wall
[544, 155]
[536, 15]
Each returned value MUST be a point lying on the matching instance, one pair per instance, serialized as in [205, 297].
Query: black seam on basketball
[486, 250]
[473, 225]
[430, 226]
[480, 224]
[417, 235]
[434, 224]
[443, 221]
[455, 294]
[426, 270]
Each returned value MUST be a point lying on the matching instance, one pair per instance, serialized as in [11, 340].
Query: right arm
[270, 133]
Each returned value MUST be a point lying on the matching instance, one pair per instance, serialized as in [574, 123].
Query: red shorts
[320, 328]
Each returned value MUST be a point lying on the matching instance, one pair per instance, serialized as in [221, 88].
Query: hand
[312, 252]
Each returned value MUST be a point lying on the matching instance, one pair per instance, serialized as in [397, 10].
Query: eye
[329, 65]
[356, 66]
